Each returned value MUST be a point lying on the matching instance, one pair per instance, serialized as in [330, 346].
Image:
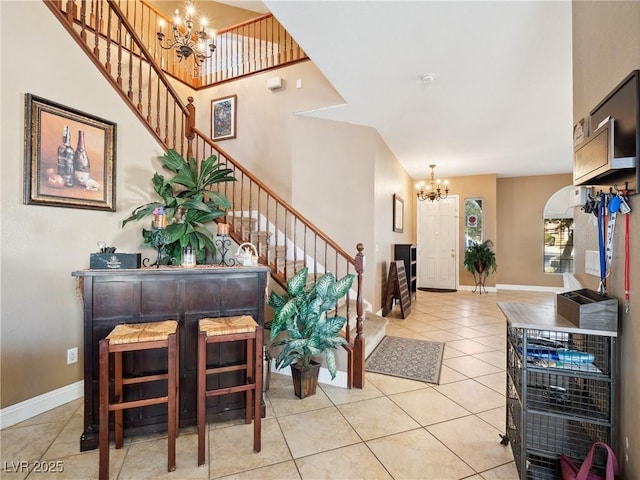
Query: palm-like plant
[480, 259]
[302, 313]
[188, 203]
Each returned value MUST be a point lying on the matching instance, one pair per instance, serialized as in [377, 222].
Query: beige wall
[40, 246]
[606, 48]
[305, 159]
[521, 202]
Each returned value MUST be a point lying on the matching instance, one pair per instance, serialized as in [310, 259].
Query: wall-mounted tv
[622, 105]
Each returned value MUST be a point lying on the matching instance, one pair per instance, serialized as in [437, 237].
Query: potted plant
[188, 204]
[301, 313]
[480, 261]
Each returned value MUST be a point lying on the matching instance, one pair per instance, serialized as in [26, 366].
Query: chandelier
[185, 40]
[432, 191]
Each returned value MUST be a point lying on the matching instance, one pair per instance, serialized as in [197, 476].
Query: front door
[437, 243]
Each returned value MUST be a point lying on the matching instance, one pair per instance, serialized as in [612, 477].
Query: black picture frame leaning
[398, 214]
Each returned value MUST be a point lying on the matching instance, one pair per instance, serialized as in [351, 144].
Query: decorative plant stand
[223, 242]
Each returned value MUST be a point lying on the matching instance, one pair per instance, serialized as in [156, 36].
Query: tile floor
[392, 429]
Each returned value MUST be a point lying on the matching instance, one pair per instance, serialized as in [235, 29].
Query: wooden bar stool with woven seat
[134, 338]
[231, 329]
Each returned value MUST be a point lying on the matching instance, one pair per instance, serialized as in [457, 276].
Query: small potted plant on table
[301, 313]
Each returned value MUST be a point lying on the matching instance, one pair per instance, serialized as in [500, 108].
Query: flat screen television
[622, 105]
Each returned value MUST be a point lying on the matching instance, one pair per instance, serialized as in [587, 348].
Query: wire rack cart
[561, 389]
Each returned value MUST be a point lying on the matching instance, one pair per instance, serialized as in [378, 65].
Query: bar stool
[134, 338]
[231, 329]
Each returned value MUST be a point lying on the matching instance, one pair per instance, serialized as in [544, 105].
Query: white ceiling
[501, 99]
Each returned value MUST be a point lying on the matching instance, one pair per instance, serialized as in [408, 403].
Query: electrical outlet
[72, 355]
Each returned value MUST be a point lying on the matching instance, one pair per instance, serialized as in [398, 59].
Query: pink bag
[571, 472]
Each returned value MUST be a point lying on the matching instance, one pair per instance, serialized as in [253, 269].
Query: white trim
[471, 288]
[529, 288]
[42, 403]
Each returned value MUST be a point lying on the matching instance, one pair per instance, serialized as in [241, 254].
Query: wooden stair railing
[284, 238]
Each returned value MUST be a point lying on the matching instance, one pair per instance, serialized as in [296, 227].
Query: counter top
[543, 317]
[170, 269]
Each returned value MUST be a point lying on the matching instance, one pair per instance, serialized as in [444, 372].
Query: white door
[437, 243]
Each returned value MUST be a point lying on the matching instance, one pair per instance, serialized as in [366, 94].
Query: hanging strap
[602, 288]
[626, 261]
[611, 225]
[612, 463]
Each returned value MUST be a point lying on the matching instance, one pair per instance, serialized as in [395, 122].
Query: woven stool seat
[142, 332]
[227, 325]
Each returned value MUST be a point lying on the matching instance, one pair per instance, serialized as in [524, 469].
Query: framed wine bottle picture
[69, 157]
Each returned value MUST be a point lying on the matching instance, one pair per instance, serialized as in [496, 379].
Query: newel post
[358, 344]
[190, 125]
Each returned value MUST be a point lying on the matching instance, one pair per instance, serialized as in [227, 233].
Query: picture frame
[55, 174]
[223, 118]
[398, 214]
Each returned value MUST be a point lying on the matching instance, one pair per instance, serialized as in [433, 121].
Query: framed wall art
[69, 157]
[223, 118]
[398, 214]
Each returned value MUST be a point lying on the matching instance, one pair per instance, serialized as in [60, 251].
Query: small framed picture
[223, 118]
[398, 214]
[69, 157]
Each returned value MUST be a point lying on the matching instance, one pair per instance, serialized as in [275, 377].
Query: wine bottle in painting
[81, 161]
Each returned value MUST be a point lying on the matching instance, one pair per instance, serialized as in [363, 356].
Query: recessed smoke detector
[428, 78]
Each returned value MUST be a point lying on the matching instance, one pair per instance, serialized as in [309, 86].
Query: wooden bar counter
[153, 294]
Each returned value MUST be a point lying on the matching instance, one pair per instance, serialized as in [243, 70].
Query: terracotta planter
[305, 380]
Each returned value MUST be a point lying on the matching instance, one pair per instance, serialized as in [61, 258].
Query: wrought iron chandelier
[185, 40]
[432, 191]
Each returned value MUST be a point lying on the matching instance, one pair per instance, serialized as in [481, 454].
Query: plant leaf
[296, 284]
[340, 288]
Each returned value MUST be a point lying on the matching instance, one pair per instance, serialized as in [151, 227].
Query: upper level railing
[285, 239]
[249, 47]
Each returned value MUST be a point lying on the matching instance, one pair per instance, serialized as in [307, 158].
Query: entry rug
[407, 358]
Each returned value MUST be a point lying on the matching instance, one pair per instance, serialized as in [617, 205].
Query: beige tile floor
[392, 429]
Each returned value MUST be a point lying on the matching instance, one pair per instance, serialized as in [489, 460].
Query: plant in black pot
[480, 261]
[301, 313]
[189, 205]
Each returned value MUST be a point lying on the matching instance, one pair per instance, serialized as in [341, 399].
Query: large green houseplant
[301, 313]
[188, 204]
[480, 261]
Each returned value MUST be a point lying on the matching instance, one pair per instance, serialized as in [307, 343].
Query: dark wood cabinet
[112, 297]
[408, 254]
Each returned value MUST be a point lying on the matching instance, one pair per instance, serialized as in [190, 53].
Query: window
[558, 245]
[472, 221]
[558, 232]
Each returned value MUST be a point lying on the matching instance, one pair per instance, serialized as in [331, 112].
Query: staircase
[132, 63]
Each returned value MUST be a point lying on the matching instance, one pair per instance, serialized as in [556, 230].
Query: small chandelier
[432, 191]
[185, 41]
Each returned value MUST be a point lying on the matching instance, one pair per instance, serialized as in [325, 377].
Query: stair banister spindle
[358, 355]
[119, 69]
[96, 37]
[130, 82]
[107, 64]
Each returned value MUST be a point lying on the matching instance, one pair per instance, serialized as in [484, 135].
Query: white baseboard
[529, 288]
[42, 403]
